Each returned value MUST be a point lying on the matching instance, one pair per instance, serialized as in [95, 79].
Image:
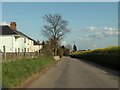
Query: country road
[74, 73]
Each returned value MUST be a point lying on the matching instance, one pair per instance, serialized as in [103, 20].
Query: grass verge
[13, 73]
[106, 56]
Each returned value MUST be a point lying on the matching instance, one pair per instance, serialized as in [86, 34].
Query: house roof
[6, 30]
[22, 34]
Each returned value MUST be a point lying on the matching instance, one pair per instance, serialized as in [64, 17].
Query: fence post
[24, 52]
[4, 52]
[39, 52]
[18, 53]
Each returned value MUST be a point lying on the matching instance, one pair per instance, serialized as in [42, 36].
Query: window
[24, 40]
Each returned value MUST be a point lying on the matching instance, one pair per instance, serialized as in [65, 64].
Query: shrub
[106, 56]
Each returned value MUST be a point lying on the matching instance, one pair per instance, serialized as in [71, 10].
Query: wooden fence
[10, 56]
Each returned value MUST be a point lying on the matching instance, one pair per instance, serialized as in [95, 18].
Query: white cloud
[92, 29]
[64, 43]
[4, 23]
[109, 31]
[100, 33]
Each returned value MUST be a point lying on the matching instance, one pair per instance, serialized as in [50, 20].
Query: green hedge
[107, 56]
[13, 73]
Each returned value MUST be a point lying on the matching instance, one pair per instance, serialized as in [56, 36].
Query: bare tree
[55, 29]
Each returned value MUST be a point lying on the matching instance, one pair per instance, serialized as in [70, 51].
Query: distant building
[16, 41]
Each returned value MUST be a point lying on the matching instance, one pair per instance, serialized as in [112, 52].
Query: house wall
[13, 44]
[29, 45]
[23, 44]
[37, 47]
[7, 42]
[19, 44]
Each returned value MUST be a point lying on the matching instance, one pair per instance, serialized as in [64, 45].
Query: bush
[107, 56]
[60, 52]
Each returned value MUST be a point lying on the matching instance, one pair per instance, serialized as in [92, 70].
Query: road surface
[74, 73]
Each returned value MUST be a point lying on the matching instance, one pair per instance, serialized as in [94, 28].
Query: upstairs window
[24, 40]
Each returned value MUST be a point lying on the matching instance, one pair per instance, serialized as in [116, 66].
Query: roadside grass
[0, 68]
[0, 71]
[13, 73]
[105, 56]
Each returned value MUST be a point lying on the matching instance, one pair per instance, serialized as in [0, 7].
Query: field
[104, 56]
[13, 73]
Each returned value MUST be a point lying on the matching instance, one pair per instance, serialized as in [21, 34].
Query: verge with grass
[16, 72]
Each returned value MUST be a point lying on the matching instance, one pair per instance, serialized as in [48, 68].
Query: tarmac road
[74, 73]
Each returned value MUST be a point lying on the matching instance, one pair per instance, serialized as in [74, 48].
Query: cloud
[92, 29]
[64, 43]
[109, 31]
[101, 33]
[4, 23]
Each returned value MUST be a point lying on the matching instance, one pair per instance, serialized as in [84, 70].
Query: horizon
[93, 25]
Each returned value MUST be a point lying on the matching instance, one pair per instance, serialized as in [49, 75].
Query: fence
[9, 56]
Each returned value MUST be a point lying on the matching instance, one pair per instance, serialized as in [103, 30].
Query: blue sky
[93, 25]
[60, 0]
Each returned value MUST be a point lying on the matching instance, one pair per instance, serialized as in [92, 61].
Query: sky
[60, 0]
[93, 24]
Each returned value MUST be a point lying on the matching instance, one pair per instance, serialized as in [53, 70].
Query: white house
[16, 41]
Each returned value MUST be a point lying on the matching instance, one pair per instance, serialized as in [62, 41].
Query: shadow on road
[106, 69]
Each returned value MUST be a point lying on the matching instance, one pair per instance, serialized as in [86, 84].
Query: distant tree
[61, 51]
[43, 43]
[63, 46]
[55, 29]
[46, 48]
[74, 48]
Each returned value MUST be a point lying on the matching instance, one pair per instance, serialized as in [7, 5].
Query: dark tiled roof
[22, 34]
[6, 30]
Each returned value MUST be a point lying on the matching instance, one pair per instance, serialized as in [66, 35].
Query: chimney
[13, 25]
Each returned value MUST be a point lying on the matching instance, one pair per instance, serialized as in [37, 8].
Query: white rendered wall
[7, 42]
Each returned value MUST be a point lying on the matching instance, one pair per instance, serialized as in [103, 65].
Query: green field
[104, 56]
[13, 73]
